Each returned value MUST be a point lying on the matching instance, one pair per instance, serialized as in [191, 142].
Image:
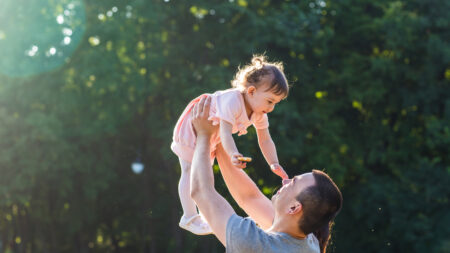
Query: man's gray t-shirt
[244, 236]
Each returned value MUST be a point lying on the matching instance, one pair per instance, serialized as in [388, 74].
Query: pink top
[226, 105]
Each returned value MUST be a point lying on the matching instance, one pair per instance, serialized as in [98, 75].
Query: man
[304, 205]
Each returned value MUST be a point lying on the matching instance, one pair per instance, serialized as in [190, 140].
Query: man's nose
[286, 181]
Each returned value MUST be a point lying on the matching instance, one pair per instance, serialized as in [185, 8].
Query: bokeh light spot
[67, 40]
[94, 40]
[60, 19]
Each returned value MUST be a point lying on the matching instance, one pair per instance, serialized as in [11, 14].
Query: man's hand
[277, 169]
[200, 114]
[236, 162]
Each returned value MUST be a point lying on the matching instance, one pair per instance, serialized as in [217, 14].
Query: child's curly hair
[253, 73]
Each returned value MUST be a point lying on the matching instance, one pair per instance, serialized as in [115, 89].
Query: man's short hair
[321, 203]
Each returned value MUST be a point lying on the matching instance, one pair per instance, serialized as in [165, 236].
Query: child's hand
[277, 169]
[236, 162]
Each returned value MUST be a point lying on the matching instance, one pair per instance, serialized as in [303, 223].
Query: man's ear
[295, 208]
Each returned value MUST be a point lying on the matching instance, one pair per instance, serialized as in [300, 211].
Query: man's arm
[245, 191]
[213, 206]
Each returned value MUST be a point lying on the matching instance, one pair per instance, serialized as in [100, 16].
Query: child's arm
[269, 151]
[228, 143]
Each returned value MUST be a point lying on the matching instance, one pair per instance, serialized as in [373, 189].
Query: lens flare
[39, 36]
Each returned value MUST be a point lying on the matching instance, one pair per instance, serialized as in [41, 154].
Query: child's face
[262, 101]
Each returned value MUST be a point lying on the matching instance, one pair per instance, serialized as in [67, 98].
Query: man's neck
[287, 226]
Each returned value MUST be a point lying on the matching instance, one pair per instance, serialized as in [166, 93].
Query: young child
[258, 87]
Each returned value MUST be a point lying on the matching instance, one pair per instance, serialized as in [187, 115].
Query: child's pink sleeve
[228, 108]
[260, 121]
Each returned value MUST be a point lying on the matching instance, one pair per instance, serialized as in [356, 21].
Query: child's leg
[190, 220]
[184, 190]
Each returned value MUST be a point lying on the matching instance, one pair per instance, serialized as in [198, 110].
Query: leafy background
[369, 104]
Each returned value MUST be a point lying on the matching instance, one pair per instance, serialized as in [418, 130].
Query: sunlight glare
[39, 36]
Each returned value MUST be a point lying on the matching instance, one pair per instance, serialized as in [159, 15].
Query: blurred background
[90, 92]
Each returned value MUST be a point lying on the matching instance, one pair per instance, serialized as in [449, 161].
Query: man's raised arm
[213, 206]
[245, 192]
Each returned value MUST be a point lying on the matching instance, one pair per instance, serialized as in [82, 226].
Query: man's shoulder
[243, 235]
[238, 221]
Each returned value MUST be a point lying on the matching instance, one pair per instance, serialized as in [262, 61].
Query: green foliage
[370, 104]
